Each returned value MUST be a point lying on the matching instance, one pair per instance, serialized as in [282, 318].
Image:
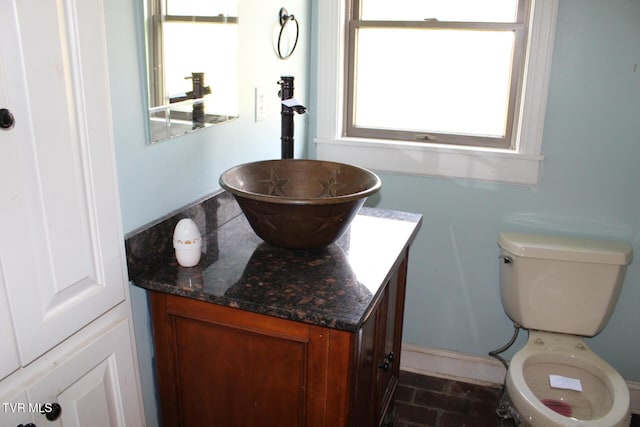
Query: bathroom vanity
[259, 335]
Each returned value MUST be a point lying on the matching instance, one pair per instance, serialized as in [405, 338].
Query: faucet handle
[299, 109]
[295, 105]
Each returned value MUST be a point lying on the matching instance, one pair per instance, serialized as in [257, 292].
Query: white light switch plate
[260, 113]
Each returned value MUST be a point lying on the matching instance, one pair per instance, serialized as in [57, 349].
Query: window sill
[486, 164]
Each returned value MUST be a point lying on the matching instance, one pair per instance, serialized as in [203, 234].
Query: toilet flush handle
[506, 259]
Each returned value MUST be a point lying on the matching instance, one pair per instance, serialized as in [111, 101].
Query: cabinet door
[364, 409]
[391, 314]
[95, 386]
[387, 373]
[60, 234]
[219, 366]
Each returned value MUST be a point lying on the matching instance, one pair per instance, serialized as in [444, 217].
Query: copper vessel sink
[299, 204]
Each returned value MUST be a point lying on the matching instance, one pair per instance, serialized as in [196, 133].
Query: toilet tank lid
[566, 248]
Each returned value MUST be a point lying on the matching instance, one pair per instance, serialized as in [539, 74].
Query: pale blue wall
[157, 179]
[590, 185]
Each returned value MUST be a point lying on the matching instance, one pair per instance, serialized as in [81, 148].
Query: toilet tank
[560, 284]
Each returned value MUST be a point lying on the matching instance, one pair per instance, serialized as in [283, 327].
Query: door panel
[263, 366]
[95, 386]
[60, 234]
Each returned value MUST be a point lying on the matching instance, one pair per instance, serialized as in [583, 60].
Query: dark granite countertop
[333, 287]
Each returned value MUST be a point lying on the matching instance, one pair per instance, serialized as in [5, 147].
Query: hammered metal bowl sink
[300, 204]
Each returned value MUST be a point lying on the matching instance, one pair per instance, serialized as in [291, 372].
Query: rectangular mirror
[192, 65]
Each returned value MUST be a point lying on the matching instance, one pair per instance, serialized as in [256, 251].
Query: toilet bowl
[590, 392]
[563, 289]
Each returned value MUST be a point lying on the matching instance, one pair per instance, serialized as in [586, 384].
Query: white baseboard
[451, 365]
[470, 369]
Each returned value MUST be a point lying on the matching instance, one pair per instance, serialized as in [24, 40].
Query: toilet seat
[603, 401]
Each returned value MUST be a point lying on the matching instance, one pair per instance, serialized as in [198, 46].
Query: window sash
[157, 17]
[519, 28]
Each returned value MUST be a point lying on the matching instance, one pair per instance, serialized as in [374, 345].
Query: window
[437, 71]
[439, 87]
[192, 64]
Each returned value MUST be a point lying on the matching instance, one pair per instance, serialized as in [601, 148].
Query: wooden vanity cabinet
[223, 366]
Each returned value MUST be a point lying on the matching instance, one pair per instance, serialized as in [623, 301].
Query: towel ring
[284, 20]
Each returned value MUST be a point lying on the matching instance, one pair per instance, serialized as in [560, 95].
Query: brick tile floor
[423, 401]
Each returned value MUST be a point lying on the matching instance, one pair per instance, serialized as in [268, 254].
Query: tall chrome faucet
[287, 113]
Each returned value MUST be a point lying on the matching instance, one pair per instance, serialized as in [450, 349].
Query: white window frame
[519, 165]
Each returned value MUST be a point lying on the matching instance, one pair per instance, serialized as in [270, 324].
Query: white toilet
[563, 289]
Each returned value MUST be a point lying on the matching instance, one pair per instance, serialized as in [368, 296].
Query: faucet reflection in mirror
[192, 65]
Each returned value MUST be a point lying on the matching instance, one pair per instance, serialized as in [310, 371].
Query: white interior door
[60, 233]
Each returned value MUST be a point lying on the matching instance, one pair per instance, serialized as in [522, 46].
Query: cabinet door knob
[52, 411]
[6, 119]
[384, 365]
